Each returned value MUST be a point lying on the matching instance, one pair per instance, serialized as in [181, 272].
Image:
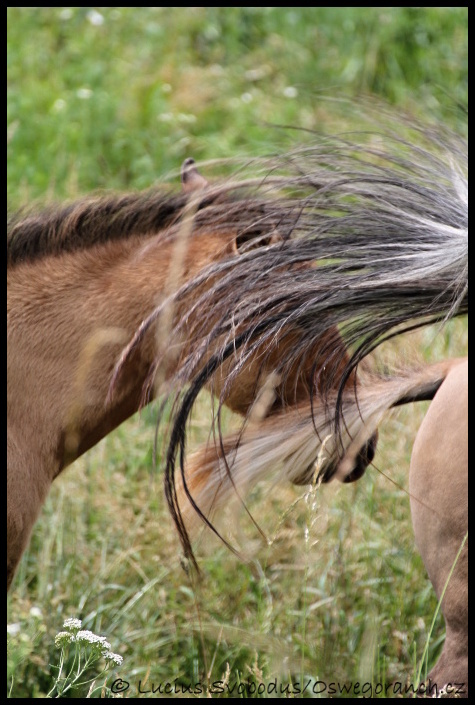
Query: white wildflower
[36, 612]
[66, 13]
[89, 637]
[95, 18]
[84, 93]
[14, 628]
[63, 638]
[290, 92]
[59, 105]
[72, 623]
[114, 658]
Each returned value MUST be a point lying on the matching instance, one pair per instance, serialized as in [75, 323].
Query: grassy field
[116, 98]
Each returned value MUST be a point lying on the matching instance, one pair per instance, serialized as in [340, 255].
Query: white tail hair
[298, 445]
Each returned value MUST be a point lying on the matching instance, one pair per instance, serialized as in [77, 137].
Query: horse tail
[297, 445]
[374, 240]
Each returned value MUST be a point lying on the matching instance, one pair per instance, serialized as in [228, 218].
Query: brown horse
[257, 295]
[80, 280]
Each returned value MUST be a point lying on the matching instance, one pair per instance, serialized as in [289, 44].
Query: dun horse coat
[271, 293]
[80, 281]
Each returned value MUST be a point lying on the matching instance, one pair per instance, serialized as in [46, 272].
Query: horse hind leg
[439, 506]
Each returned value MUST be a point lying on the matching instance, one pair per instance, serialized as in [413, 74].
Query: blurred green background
[116, 98]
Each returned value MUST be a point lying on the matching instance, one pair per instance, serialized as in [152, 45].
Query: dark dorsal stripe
[90, 221]
[96, 220]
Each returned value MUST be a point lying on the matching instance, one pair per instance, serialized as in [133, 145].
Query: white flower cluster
[115, 658]
[87, 637]
[63, 638]
[84, 637]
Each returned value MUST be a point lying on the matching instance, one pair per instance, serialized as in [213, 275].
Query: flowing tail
[298, 445]
[373, 243]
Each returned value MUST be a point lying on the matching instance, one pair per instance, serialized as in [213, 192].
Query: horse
[440, 446]
[378, 248]
[270, 291]
[80, 279]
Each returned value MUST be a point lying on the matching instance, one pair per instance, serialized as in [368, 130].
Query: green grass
[121, 103]
[349, 602]
[118, 99]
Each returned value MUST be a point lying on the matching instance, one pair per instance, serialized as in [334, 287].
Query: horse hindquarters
[438, 478]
